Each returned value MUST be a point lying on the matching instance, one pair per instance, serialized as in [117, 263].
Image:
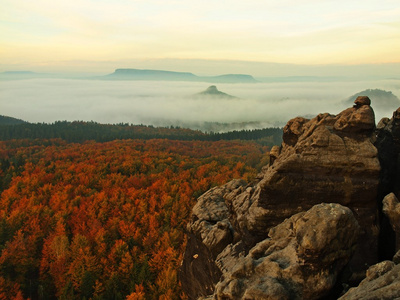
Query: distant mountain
[380, 98]
[15, 75]
[138, 74]
[4, 120]
[230, 78]
[301, 79]
[213, 92]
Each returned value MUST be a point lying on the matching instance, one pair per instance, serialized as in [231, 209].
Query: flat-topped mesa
[326, 159]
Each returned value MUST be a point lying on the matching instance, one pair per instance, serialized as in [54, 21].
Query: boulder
[300, 260]
[382, 282]
[362, 100]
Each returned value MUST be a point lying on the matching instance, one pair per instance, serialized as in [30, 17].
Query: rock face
[382, 282]
[388, 144]
[391, 208]
[300, 260]
[326, 159]
[208, 234]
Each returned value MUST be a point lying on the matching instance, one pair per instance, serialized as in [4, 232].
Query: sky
[205, 37]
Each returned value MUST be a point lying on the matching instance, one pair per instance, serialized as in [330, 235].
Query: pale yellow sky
[100, 35]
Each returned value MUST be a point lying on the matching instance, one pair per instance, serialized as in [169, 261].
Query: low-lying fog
[170, 103]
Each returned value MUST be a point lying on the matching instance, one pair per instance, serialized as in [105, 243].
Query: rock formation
[208, 234]
[300, 260]
[391, 208]
[326, 159]
[388, 144]
[382, 282]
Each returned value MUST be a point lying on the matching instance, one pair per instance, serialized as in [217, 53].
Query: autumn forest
[105, 220]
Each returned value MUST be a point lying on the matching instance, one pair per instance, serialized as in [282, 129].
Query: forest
[79, 131]
[105, 220]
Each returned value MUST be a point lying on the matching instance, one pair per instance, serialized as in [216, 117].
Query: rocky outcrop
[326, 159]
[391, 208]
[388, 144]
[383, 279]
[382, 282]
[300, 260]
[209, 232]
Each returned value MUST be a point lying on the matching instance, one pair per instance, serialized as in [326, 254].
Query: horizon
[257, 38]
[257, 70]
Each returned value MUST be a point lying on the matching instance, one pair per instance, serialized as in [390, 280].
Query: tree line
[79, 131]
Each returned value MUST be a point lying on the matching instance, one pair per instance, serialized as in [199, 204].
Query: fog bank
[170, 103]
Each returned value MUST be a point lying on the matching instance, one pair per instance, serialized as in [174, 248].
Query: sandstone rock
[391, 208]
[396, 258]
[326, 159]
[300, 259]
[382, 282]
[388, 144]
[356, 119]
[209, 232]
[362, 100]
[293, 130]
[273, 154]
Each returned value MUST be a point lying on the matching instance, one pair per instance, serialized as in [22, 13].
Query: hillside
[4, 120]
[79, 132]
[20, 75]
[212, 92]
[382, 99]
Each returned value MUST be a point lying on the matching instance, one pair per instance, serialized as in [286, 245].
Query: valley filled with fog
[164, 103]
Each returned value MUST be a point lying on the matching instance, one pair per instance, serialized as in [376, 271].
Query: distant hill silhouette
[380, 98]
[213, 92]
[18, 75]
[4, 120]
[138, 74]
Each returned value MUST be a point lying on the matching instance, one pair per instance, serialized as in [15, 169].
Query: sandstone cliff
[234, 250]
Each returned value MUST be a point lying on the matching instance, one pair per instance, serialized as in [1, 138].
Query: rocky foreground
[322, 217]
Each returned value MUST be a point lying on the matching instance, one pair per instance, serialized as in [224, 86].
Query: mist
[171, 103]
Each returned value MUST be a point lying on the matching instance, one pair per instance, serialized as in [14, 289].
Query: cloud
[170, 103]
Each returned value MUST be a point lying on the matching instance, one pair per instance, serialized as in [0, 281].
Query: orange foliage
[105, 220]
